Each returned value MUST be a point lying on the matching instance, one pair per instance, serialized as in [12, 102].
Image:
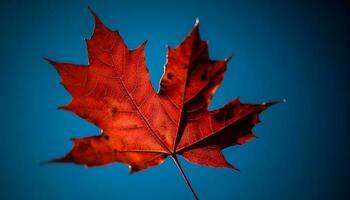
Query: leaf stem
[184, 176]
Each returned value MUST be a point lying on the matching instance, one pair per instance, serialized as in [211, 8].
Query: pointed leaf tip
[64, 107]
[195, 29]
[144, 43]
[49, 60]
[271, 103]
[97, 19]
[141, 47]
[233, 167]
[52, 161]
[196, 23]
[228, 58]
[92, 11]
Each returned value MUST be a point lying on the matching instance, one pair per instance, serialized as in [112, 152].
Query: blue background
[293, 50]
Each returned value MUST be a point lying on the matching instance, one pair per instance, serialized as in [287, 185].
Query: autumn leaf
[141, 127]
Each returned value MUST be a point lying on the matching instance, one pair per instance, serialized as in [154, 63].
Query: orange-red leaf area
[141, 127]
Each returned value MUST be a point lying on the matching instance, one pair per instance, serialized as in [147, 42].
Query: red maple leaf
[140, 127]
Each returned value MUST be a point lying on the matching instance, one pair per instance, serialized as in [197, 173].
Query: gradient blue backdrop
[293, 50]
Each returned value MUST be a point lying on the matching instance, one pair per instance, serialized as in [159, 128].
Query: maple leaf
[140, 127]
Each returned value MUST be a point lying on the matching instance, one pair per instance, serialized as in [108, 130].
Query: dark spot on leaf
[114, 111]
[106, 137]
[169, 75]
